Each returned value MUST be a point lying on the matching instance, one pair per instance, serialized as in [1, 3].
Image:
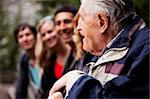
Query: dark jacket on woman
[48, 77]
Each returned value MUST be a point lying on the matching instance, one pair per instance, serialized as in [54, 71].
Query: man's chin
[67, 40]
[66, 36]
[85, 48]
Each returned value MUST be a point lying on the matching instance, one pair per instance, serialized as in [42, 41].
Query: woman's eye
[43, 35]
[20, 36]
[27, 34]
[50, 31]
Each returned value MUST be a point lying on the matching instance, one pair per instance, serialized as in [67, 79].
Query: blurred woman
[54, 54]
[81, 57]
[25, 36]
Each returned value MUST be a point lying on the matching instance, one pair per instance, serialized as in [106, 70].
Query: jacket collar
[120, 46]
[112, 55]
[124, 38]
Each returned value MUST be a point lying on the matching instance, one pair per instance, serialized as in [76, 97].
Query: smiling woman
[55, 54]
[25, 36]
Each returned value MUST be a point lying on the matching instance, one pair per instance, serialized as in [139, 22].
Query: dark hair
[66, 8]
[23, 26]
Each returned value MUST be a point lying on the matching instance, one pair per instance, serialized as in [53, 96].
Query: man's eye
[66, 21]
[50, 31]
[58, 23]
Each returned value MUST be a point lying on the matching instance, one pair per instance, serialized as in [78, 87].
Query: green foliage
[8, 49]
[50, 5]
[142, 9]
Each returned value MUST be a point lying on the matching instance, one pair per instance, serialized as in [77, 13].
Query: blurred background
[13, 12]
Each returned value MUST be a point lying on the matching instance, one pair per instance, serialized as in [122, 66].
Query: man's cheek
[85, 45]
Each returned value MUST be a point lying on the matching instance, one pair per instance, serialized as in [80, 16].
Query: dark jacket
[23, 79]
[130, 67]
[78, 64]
[86, 87]
[48, 77]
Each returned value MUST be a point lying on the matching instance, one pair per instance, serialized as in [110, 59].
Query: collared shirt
[99, 73]
[35, 74]
[110, 43]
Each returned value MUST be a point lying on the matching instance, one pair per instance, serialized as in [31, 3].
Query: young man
[112, 31]
[63, 20]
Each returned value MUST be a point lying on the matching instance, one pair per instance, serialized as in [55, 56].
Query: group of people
[56, 51]
[114, 63]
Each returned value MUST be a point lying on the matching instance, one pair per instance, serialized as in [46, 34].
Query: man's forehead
[82, 9]
[87, 1]
[84, 1]
[87, 6]
[63, 15]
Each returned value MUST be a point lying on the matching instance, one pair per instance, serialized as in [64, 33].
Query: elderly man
[113, 32]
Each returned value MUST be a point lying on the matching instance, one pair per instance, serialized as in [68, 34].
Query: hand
[66, 81]
[56, 95]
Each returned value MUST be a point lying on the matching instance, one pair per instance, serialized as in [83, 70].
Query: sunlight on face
[88, 27]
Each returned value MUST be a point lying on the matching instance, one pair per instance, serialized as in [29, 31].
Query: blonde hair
[43, 21]
[43, 53]
[77, 39]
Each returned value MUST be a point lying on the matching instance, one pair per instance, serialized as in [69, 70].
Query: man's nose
[78, 27]
[62, 25]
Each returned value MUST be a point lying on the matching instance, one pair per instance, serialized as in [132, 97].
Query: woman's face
[26, 39]
[48, 35]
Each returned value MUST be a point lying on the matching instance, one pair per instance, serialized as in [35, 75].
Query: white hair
[117, 10]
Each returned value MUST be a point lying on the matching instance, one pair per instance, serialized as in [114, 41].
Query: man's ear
[103, 22]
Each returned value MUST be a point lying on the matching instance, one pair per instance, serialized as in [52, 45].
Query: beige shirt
[97, 70]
